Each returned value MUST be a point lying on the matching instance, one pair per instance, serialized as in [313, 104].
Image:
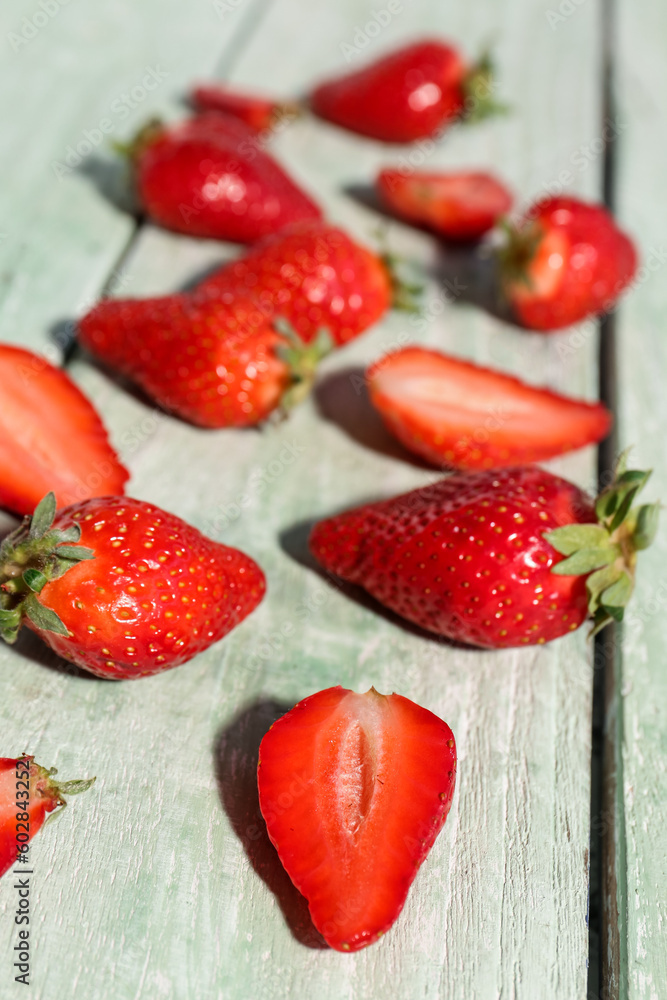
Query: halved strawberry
[257, 112]
[51, 437]
[354, 789]
[455, 413]
[458, 206]
[27, 793]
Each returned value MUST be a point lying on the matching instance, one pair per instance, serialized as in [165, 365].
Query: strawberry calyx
[146, 135]
[302, 361]
[607, 551]
[30, 556]
[405, 295]
[518, 252]
[45, 787]
[478, 86]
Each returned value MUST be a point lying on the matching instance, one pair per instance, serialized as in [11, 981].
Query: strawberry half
[143, 592]
[313, 276]
[214, 361]
[206, 177]
[409, 94]
[456, 206]
[259, 113]
[51, 437]
[455, 413]
[564, 261]
[478, 557]
[27, 793]
[354, 789]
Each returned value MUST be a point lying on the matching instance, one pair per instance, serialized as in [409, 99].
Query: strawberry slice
[452, 412]
[354, 789]
[458, 206]
[257, 112]
[51, 437]
[28, 792]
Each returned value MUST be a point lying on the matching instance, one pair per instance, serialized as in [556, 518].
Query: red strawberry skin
[454, 413]
[157, 592]
[313, 276]
[404, 96]
[466, 557]
[258, 113]
[206, 177]
[212, 363]
[457, 206]
[51, 437]
[23, 790]
[354, 789]
[582, 264]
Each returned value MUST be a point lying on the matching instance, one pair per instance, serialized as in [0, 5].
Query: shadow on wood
[294, 542]
[342, 398]
[236, 757]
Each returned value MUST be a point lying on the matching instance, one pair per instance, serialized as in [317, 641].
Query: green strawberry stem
[606, 552]
[46, 787]
[478, 87]
[30, 556]
[405, 296]
[143, 138]
[517, 253]
[301, 359]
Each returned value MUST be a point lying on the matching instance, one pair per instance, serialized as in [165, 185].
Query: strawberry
[213, 362]
[354, 789]
[414, 92]
[478, 558]
[207, 177]
[143, 592]
[454, 413]
[564, 261]
[27, 793]
[51, 437]
[314, 276]
[258, 113]
[456, 206]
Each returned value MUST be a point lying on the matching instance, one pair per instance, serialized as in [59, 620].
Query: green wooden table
[158, 884]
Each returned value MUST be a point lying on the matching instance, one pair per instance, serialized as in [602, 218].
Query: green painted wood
[78, 76]
[637, 808]
[162, 884]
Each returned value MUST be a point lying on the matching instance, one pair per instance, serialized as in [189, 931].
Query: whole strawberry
[409, 94]
[143, 592]
[478, 557]
[51, 437]
[214, 361]
[314, 276]
[27, 793]
[207, 177]
[564, 261]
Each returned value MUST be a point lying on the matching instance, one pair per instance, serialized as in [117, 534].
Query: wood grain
[163, 884]
[637, 809]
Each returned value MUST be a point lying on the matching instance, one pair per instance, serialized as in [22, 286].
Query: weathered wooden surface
[161, 883]
[639, 812]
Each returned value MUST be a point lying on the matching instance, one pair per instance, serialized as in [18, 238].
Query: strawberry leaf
[43, 617]
[598, 582]
[585, 560]
[572, 537]
[647, 525]
[42, 519]
[34, 580]
[618, 595]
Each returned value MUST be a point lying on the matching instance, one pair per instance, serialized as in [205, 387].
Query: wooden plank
[195, 902]
[79, 76]
[637, 802]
